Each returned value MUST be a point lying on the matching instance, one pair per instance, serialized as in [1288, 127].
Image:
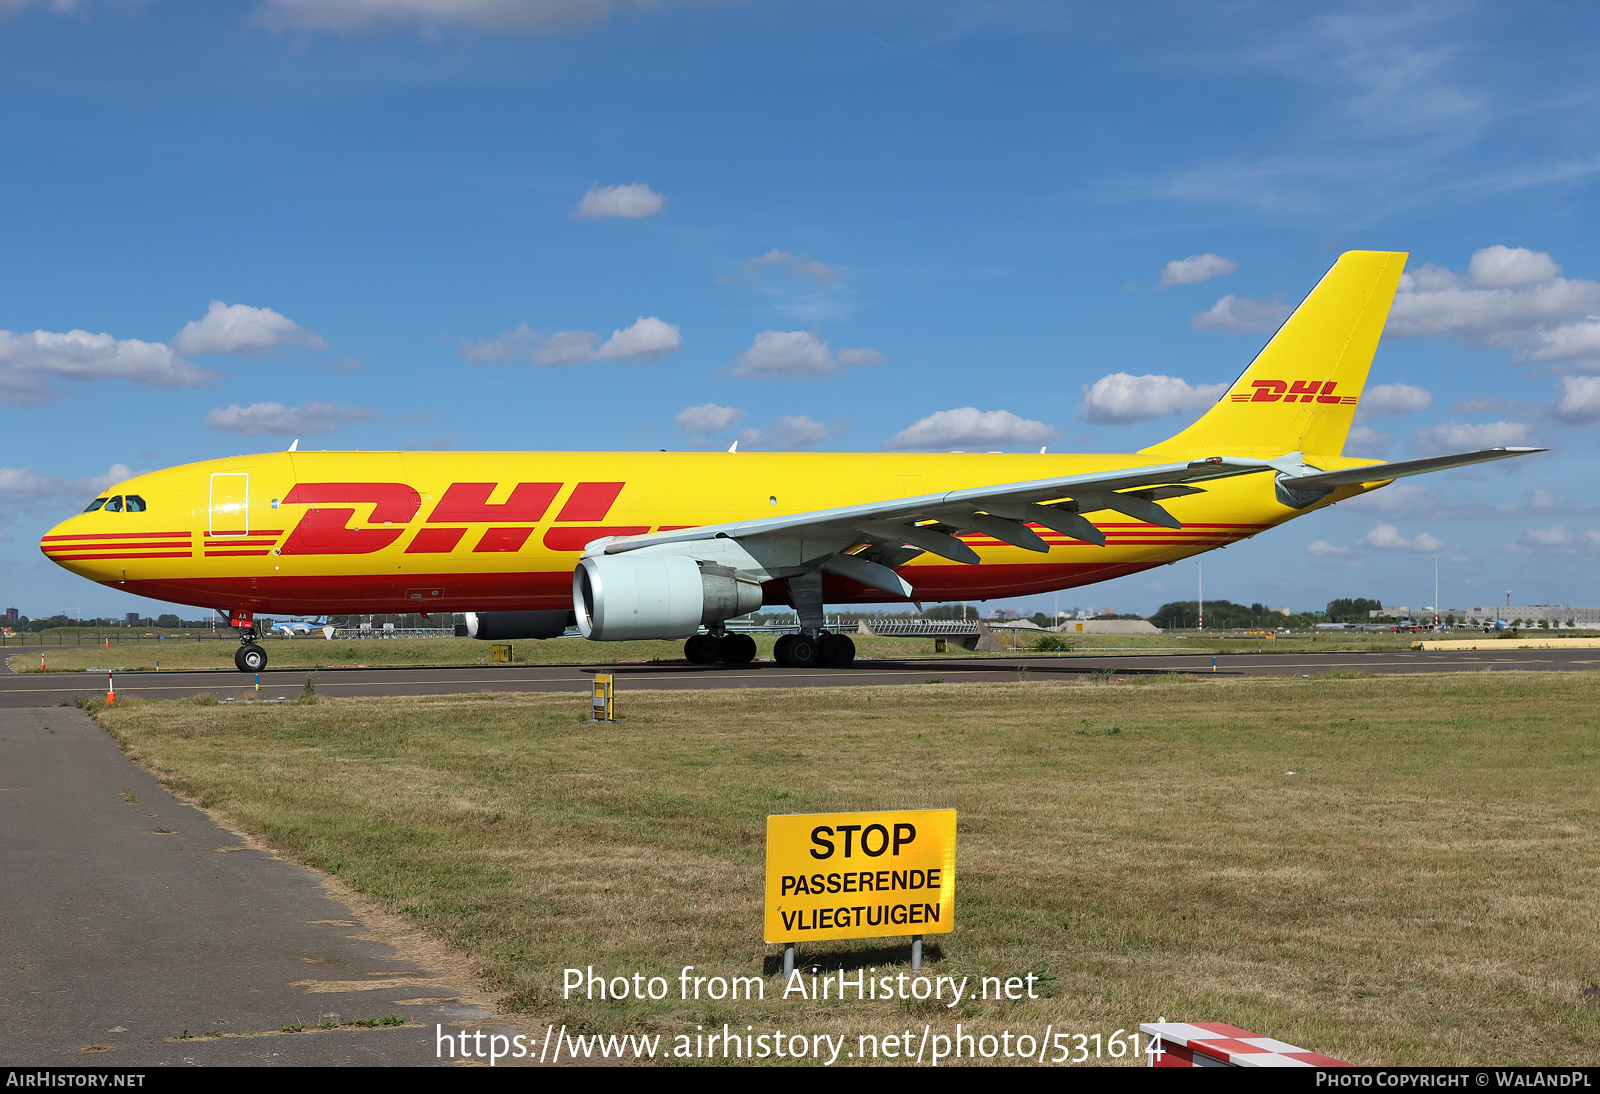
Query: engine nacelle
[504, 626]
[620, 597]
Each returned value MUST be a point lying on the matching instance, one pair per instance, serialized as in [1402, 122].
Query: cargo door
[230, 503]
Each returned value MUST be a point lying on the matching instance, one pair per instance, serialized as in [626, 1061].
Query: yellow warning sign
[860, 875]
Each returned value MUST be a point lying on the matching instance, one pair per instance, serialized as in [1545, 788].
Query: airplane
[658, 545]
[288, 628]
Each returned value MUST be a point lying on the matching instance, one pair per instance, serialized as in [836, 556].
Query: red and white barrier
[1214, 1044]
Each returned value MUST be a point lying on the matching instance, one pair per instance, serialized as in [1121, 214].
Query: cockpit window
[135, 503]
[95, 504]
[114, 505]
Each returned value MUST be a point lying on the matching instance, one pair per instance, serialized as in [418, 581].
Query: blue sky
[464, 223]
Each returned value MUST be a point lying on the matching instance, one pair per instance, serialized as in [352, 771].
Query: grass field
[317, 652]
[1421, 889]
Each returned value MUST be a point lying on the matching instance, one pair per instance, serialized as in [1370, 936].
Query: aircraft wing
[869, 540]
[1383, 472]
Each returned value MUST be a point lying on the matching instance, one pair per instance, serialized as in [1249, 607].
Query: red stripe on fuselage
[121, 535]
[123, 554]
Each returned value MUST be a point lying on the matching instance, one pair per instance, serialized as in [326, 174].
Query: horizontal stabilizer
[1383, 472]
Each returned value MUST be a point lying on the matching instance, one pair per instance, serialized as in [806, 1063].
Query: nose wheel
[250, 657]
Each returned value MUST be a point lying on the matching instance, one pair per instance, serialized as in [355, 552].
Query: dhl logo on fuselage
[1300, 391]
[324, 528]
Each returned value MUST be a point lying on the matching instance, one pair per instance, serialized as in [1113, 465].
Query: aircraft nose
[72, 547]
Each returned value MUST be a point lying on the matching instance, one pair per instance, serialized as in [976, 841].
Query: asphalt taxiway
[139, 932]
[28, 689]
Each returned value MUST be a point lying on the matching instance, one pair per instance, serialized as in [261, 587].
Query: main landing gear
[729, 649]
[798, 651]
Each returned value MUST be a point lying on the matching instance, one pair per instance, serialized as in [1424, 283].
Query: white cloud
[1195, 269]
[1556, 535]
[796, 431]
[28, 361]
[1390, 400]
[1573, 342]
[239, 328]
[525, 16]
[1120, 397]
[1467, 437]
[632, 202]
[800, 265]
[1323, 547]
[1502, 267]
[259, 419]
[968, 428]
[1577, 400]
[1387, 537]
[648, 339]
[798, 354]
[700, 421]
[1541, 499]
[22, 488]
[1366, 440]
[1511, 298]
[1242, 315]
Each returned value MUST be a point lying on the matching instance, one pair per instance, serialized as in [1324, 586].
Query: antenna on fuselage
[294, 446]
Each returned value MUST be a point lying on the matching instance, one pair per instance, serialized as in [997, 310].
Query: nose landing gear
[250, 657]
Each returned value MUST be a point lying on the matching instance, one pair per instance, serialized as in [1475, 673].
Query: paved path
[125, 923]
[44, 689]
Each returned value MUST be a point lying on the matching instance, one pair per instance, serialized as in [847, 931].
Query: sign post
[860, 875]
[605, 698]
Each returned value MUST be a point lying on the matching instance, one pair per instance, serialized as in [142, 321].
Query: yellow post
[605, 699]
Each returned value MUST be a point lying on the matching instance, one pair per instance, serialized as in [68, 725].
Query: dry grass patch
[1421, 889]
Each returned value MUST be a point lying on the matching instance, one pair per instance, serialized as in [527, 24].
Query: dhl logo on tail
[1301, 391]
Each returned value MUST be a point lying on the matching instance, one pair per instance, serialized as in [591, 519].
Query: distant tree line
[1225, 614]
[1358, 610]
[164, 622]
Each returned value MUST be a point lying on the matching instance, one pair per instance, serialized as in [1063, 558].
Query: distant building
[1532, 615]
[1281, 611]
[133, 619]
[12, 616]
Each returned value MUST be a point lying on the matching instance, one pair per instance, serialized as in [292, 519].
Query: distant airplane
[288, 628]
[659, 544]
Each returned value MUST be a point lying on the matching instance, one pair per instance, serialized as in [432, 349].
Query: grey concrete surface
[126, 923]
[35, 689]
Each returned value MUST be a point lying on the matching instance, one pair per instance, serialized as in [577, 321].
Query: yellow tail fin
[1301, 391]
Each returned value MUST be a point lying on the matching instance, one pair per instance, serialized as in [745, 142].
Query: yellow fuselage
[382, 532]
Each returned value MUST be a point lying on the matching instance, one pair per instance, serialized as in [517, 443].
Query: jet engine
[619, 597]
[504, 626]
